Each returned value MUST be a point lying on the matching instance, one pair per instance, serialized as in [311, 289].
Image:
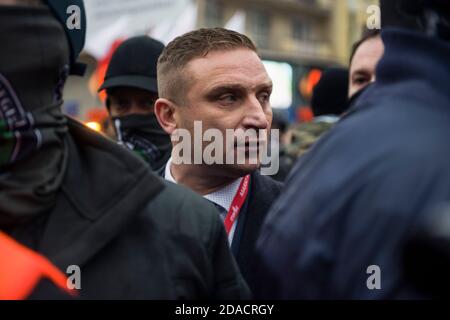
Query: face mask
[144, 135]
[34, 63]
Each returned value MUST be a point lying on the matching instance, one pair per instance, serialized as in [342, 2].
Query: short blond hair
[172, 84]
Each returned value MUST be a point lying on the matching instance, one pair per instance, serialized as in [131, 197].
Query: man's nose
[255, 116]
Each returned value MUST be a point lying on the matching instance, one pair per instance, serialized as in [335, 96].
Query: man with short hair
[366, 53]
[216, 76]
[338, 90]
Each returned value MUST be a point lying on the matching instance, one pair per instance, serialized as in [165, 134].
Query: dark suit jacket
[262, 194]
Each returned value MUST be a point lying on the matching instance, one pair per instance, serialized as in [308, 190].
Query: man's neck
[194, 177]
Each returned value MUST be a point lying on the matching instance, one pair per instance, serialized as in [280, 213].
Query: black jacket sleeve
[199, 258]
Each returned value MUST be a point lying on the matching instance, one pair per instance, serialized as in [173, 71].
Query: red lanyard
[236, 205]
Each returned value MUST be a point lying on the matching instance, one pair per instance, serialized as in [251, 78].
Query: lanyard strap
[236, 205]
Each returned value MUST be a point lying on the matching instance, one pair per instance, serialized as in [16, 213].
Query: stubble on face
[225, 91]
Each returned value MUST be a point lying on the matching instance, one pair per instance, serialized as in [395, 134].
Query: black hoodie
[133, 235]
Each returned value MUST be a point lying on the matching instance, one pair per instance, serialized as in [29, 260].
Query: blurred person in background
[71, 199]
[132, 89]
[364, 58]
[285, 161]
[365, 186]
[329, 102]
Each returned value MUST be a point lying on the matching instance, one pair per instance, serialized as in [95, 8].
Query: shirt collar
[223, 197]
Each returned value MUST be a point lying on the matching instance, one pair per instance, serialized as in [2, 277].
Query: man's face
[364, 63]
[228, 90]
[125, 101]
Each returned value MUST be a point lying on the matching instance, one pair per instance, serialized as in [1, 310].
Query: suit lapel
[263, 191]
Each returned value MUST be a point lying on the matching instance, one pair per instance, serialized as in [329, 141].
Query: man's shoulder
[177, 209]
[385, 125]
[264, 191]
[98, 148]
[175, 197]
[265, 184]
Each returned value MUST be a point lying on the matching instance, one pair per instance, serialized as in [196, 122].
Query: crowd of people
[170, 208]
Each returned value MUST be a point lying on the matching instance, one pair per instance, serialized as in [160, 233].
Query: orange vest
[21, 269]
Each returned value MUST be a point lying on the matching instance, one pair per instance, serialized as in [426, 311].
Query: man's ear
[165, 113]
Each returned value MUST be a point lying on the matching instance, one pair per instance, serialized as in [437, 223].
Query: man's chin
[239, 170]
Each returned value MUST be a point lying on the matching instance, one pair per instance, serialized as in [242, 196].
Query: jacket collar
[414, 56]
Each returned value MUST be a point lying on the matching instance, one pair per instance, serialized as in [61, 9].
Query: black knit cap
[331, 92]
[133, 64]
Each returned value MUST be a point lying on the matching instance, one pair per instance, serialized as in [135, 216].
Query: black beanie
[331, 92]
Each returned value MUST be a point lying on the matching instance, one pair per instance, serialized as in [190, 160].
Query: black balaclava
[34, 64]
[144, 135]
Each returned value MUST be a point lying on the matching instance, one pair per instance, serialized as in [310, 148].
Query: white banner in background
[108, 20]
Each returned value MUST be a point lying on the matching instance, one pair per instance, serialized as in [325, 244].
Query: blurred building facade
[309, 35]
[300, 31]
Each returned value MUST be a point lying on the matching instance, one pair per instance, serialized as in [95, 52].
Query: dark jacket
[262, 194]
[263, 191]
[133, 235]
[352, 201]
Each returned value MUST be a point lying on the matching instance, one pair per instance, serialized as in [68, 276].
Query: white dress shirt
[223, 197]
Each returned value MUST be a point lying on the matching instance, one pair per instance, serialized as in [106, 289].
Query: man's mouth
[249, 145]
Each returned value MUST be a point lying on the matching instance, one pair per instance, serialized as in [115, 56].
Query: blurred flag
[100, 44]
[171, 28]
[99, 75]
[237, 22]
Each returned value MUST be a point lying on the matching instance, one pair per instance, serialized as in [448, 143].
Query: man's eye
[360, 81]
[123, 104]
[264, 98]
[228, 99]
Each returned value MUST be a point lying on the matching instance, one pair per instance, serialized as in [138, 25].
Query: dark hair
[189, 46]
[367, 34]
